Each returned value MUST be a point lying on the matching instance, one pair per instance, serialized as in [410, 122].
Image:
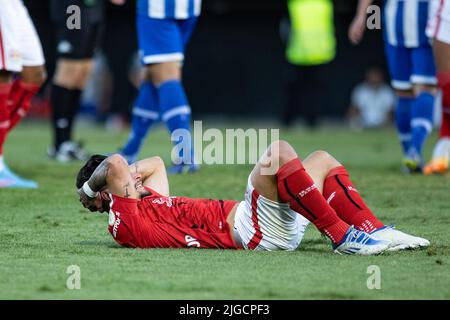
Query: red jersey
[157, 221]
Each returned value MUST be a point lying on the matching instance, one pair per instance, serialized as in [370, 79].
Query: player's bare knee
[163, 72]
[73, 74]
[35, 75]
[325, 159]
[404, 93]
[424, 88]
[283, 151]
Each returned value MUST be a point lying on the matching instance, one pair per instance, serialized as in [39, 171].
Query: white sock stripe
[4, 124]
[145, 113]
[405, 136]
[423, 79]
[422, 122]
[175, 112]
[159, 58]
[401, 85]
[331, 197]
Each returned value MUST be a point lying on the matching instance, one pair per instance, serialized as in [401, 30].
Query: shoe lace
[358, 236]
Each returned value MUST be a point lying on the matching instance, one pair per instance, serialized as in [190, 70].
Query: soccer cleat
[413, 162]
[68, 151]
[361, 243]
[10, 180]
[399, 240]
[436, 166]
[183, 168]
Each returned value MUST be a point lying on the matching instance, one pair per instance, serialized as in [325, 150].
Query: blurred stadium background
[235, 71]
[235, 64]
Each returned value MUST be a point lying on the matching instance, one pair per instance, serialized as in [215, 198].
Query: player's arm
[112, 174]
[358, 25]
[152, 172]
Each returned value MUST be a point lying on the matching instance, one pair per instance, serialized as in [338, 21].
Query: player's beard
[105, 205]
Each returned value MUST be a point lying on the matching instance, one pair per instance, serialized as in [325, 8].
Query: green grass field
[44, 231]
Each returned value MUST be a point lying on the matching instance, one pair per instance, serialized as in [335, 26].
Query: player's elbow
[158, 161]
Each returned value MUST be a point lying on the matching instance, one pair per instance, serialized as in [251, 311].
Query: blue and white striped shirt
[169, 9]
[405, 22]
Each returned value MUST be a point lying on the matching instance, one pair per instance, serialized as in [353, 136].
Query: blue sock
[145, 113]
[421, 119]
[403, 121]
[176, 113]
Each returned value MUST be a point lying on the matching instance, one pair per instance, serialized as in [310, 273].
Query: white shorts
[19, 42]
[263, 224]
[439, 20]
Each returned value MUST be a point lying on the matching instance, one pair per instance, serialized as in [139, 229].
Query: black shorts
[77, 43]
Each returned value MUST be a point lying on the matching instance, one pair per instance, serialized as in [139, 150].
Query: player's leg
[424, 81]
[399, 64]
[5, 88]
[75, 50]
[145, 113]
[17, 37]
[173, 103]
[441, 153]
[33, 73]
[152, 37]
[438, 29]
[345, 199]
[280, 176]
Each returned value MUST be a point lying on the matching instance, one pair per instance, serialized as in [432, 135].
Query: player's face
[103, 202]
[100, 203]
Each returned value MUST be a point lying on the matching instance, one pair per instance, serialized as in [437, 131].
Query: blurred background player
[439, 31]
[411, 65]
[20, 53]
[164, 28]
[372, 102]
[75, 49]
[311, 44]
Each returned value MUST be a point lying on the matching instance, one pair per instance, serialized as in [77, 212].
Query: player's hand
[356, 30]
[118, 2]
[86, 201]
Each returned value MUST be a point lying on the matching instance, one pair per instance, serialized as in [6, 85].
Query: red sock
[346, 201]
[297, 188]
[4, 113]
[444, 84]
[21, 94]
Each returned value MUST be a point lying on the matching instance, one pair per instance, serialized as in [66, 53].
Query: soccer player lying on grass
[274, 215]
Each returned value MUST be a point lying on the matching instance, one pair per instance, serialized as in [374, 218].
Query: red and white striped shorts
[263, 224]
[439, 20]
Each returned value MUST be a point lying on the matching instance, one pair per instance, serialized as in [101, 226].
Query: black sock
[65, 103]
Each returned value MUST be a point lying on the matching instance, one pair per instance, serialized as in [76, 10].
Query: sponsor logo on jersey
[116, 224]
[166, 200]
[307, 190]
[191, 241]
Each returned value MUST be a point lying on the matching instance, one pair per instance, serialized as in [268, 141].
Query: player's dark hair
[88, 169]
